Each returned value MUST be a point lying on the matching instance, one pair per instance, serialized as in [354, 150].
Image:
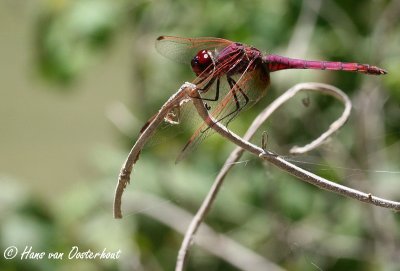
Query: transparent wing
[182, 50]
[183, 118]
[245, 90]
[236, 93]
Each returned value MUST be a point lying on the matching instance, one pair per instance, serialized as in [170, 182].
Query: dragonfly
[232, 76]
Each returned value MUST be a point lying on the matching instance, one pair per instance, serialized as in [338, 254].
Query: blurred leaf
[70, 38]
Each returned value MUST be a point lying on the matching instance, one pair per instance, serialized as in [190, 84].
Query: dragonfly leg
[233, 85]
[216, 93]
[205, 89]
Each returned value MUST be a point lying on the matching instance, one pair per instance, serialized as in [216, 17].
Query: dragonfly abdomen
[276, 63]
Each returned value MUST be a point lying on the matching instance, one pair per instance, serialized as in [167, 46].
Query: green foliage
[286, 221]
[70, 36]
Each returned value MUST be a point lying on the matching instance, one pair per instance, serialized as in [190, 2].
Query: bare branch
[289, 167]
[238, 151]
[133, 156]
[189, 90]
[330, 90]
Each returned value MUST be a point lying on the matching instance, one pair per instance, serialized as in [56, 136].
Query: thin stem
[124, 175]
[237, 152]
[291, 168]
[336, 125]
[189, 92]
[282, 164]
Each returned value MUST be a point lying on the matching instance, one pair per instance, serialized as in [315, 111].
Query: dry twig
[125, 173]
[189, 92]
[238, 151]
[278, 161]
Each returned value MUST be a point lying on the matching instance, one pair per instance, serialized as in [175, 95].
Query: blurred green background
[80, 78]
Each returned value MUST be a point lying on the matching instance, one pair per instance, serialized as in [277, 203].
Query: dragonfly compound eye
[201, 62]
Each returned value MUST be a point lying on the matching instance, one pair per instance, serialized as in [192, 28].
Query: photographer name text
[74, 253]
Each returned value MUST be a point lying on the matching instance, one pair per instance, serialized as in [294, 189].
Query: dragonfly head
[203, 63]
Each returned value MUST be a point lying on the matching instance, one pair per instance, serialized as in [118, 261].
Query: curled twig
[237, 152]
[146, 133]
[274, 159]
[327, 89]
[189, 90]
[289, 167]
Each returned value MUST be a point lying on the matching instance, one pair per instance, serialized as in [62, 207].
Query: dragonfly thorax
[202, 63]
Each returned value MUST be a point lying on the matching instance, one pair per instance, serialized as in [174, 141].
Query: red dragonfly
[237, 71]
